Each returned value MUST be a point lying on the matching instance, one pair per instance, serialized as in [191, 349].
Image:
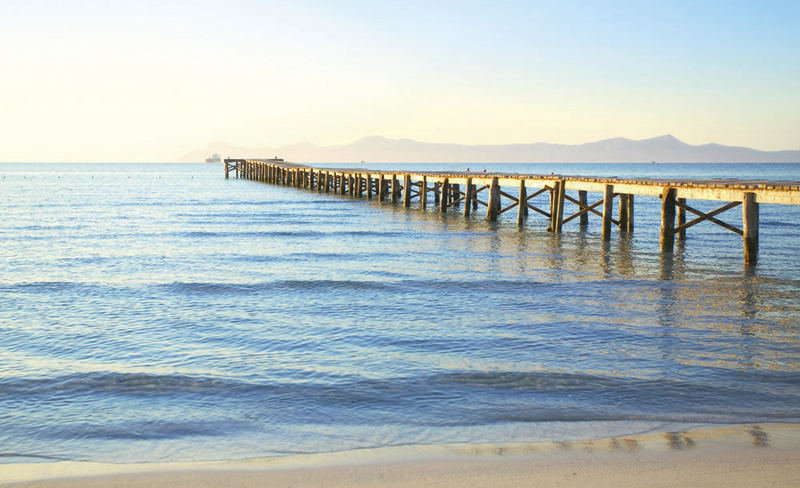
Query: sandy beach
[729, 456]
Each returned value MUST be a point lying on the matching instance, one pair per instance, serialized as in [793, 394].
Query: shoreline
[729, 455]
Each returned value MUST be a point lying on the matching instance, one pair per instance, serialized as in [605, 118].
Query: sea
[160, 312]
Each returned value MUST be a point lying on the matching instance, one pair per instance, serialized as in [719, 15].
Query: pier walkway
[466, 192]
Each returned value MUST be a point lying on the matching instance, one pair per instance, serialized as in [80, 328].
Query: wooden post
[681, 234]
[468, 189]
[445, 195]
[394, 188]
[557, 207]
[523, 203]
[423, 192]
[668, 220]
[623, 212]
[562, 190]
[406, 190]
[381, 188]
[455, 193]
[369, 186]
[629, 227]
[608, 212]
[494, 200]
[227, 169]
[436, 196]
[750, 227]
[584, 218]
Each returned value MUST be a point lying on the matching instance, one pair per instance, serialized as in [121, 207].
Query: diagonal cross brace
[586, 208]
[708, 216]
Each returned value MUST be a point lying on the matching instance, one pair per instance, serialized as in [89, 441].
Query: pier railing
[467, 192]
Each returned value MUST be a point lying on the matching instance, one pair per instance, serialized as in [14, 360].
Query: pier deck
[467, 191]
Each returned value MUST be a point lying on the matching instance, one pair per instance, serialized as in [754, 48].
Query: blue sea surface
[159, 312]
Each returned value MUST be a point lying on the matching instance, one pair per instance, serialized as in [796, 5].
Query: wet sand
[729, 456]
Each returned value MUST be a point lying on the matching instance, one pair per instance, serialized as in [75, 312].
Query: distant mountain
[380, 149]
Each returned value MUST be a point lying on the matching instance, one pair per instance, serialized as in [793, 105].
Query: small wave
[154, 430]
[264, 234]
[43, 286]
[198, 288]
[544, 381]
[333, 285]
[31, 456]
[117, 383]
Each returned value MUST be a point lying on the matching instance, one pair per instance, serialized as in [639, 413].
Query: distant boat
[216, 158]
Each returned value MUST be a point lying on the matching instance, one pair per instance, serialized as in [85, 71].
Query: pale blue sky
[151, 80]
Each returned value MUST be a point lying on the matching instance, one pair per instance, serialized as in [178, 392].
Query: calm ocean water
[160, 313]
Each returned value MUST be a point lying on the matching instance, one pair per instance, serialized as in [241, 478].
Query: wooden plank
[681, 234]
[522, 212]
[750, 227]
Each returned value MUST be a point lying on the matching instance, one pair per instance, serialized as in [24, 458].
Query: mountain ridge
[379, 149]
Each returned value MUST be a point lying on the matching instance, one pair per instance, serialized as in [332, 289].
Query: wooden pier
[466, 192]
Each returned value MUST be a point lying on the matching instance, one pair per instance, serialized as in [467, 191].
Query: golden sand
[730, 456]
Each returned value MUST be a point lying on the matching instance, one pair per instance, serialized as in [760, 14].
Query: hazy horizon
[149, 81]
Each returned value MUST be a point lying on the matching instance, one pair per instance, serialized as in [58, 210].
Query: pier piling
[446, 188]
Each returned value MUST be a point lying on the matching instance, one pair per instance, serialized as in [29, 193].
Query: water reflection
[760, 437]
[679, 440]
